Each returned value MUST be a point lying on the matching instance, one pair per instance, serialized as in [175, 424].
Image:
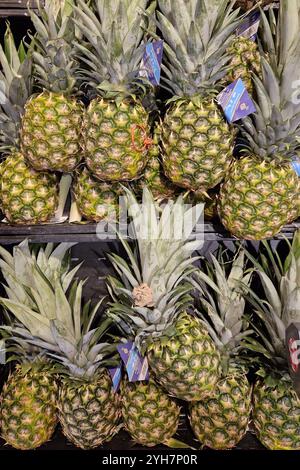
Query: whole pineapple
[51, 126]
[276, 407]
[116, 125]
[28, 405]
[196, 139]
[26, 196]
[150, 416]
[221, 420]
[261, 191]
[96, 200]
[151, 298]
[88, 408]
[28, 399]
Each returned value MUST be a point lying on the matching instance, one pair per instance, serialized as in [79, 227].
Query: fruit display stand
[92, 251]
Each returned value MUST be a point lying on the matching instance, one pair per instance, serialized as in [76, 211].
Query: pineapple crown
[281, 285]
[115, 36]
[54, 55]
[61, 331]
[153, 288]
[30, 268]
[197, 35]
[273, 131]
[222, 290]
[15, 88]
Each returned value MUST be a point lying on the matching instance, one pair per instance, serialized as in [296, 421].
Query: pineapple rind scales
[276, 415]
[50, 132]
[259, 198]
[116, 139]
[197, 143]
[150, 416]
[89, 412]
[27, 196]
[187, 365]
[221, 420]
[28, 415]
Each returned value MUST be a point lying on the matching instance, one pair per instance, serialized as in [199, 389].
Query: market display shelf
[88, 233]
[18, 8]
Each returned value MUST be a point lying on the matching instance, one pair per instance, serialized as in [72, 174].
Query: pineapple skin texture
[89, 412]
[154, 179]
[245, 61]
[276, 416]
[116, 136]
[51, 132]
[28, 414]
[187, 365]
[27, 197]
[90, 193]
[150, 416]
[221, 420]
[259, 198]
[197, 144]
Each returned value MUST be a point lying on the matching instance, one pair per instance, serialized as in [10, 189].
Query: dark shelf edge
[87, 233]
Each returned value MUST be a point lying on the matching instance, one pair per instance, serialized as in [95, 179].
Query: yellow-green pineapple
[276, 406]
[245, 60]
[51, 127]
[152, 295]
[116, 125]
[196, 139]
[150, 416]
[27, 197]
[60, 328]
[96, 200]
[28, 400]
[221, 420]
[261, 191]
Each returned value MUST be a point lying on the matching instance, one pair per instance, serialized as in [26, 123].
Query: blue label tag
[116, 375]
[136, 366]
[249, 28]
[236, 101]
[152, 60]
[296, 166]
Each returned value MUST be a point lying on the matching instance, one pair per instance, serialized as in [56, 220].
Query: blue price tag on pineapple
[136, 366]
[236, 101]
[116, 375]
[152, 60]
[296, 165]
[249, 28]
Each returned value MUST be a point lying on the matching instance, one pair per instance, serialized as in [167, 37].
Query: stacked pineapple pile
[201, 329]
[92, 52]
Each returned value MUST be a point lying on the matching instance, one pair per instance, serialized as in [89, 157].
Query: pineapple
[28, 400]
[197, 141]
[150, 416]
[221, 420]
[245, 61]
[276, 407]
[51, 126]
[261, 191]
[28, 405]
[153, 176]
[88, 408]
[26, 196]
[151, 297]
[116, 125]
[96, 200]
